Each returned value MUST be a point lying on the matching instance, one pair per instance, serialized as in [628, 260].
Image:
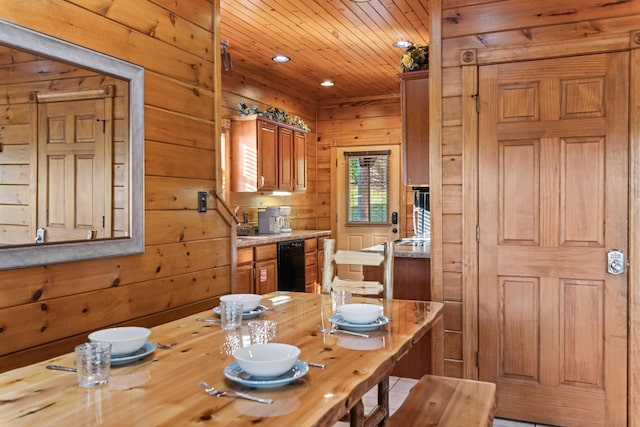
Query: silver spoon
[333, 330]
[217, 393]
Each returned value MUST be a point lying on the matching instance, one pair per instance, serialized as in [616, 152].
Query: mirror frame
[12, 257]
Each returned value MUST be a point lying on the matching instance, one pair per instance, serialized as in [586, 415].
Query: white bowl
[249, 301]
[360, 313]
[267, 360]
[124, 340]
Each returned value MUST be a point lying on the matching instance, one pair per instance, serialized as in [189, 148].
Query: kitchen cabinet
[415, 127]
[299, 161]
[244, 272]
[321, 259]
[266, 276]
[311, 265]
[267, 155]
[266, 268]
[257, 270]
[285, 159]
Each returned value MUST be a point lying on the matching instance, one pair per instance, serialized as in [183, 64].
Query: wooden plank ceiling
[347, 42]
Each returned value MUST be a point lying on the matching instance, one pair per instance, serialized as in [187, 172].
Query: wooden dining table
[162, 389]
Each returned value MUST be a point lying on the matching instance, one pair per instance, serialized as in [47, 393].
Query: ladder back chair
[333, 258]
[330, 280]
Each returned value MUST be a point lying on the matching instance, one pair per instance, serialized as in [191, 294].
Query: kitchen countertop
[263, 239]
[406, 248]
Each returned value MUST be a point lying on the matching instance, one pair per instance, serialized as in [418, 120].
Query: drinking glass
[262, 331]
[232, 341]
[231, 315]
[93, 362]
[338, 298]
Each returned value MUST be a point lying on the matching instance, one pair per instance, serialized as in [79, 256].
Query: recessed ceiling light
[402, 43]
[327, 83]
[281, 58]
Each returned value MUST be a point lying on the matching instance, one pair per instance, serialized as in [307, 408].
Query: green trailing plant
[244, 110]
[276, 114]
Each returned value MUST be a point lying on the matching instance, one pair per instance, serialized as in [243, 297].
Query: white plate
[246, 314]
[337, 319]
[125, 359]
[235, 373]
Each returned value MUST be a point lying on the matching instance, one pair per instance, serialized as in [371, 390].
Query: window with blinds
[367, 187]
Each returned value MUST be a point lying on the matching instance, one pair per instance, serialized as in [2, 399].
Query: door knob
[615, 262]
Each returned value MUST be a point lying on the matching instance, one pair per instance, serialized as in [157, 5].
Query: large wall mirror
[71, 152]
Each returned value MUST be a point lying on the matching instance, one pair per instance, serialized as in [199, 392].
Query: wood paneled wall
[348, 122]
[236, 87]
[491, 31]
[186, 264]
[357, 122]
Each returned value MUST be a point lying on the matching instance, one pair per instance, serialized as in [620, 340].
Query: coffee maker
[285, 213]
[270, 221]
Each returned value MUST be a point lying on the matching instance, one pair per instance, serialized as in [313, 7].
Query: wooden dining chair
[333, 259]
[331, 280]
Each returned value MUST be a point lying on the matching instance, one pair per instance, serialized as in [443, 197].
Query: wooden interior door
[355, 237]
[72, 170]
[553, 164]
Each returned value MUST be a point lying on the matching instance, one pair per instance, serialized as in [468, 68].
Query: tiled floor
[398, 390]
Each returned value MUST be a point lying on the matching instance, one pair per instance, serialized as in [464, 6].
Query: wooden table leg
[356, 415]
[383, 397]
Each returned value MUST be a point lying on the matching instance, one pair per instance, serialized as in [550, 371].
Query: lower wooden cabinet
[257, 270]
[257, 267]
[244, 275]
[244, 279]
[320, 261]
[311, 265]
[266, 276]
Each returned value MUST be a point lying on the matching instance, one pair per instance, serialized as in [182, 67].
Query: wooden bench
[447, 402]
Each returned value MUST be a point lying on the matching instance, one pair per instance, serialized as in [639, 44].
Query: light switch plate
[202, 201]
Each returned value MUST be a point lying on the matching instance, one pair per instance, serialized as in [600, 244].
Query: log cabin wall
[253, 91]
[495, 31]
[46, 310]
[344, 122]
[351, 123]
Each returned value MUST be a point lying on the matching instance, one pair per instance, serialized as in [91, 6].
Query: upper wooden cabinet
[299, 161]
[267, 155]
[415, 127]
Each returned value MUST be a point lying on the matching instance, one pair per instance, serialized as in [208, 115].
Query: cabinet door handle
[262, 181]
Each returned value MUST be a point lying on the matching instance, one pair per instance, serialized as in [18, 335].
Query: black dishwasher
[291, 266]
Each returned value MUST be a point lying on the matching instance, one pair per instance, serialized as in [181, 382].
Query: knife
[61, 368]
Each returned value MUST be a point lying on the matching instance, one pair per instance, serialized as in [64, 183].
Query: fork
[217, 393]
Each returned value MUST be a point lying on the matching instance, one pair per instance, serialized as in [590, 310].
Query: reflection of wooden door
[553, 201]
[355, 237]
[72, 169]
